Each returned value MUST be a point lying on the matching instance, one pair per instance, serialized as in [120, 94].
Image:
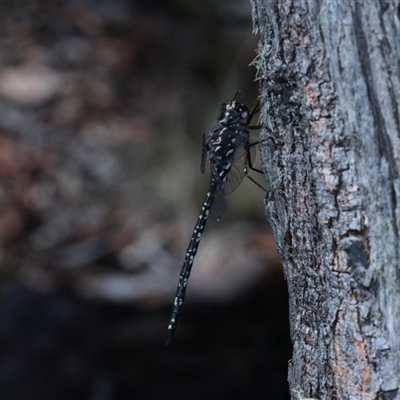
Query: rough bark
[329, 77]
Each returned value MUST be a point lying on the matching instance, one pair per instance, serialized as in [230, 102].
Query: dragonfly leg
[253, 113]
[246, 172]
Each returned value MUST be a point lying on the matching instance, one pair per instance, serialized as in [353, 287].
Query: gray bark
[329, 77]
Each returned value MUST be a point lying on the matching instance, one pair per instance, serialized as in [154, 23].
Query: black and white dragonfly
[229, 151]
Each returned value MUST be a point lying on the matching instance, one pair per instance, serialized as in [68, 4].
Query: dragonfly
[229, 152]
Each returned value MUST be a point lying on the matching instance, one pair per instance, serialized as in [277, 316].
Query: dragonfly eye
[227, 105]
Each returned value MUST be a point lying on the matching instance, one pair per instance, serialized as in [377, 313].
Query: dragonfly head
[232, 111]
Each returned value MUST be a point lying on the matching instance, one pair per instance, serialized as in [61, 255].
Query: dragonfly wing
[240, 96]
[203, 155]
[219, 206]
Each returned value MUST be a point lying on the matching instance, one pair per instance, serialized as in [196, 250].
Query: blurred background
[102, 109]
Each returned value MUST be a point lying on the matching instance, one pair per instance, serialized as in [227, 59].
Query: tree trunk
[329, 77]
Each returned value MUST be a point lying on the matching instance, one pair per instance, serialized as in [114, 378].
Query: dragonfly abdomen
[189, 258]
